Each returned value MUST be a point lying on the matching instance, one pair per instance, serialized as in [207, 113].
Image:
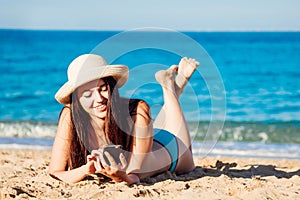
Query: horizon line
[120, 30]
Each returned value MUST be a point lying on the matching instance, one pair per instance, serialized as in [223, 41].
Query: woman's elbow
[53, 173]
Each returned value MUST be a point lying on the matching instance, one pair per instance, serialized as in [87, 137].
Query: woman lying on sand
[95, 116]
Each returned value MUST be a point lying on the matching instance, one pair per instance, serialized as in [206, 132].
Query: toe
[174, 69]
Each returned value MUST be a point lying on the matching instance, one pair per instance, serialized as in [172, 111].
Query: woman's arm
[143, 138]
[61, 150]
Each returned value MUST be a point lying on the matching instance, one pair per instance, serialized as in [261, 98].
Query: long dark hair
[118, 128]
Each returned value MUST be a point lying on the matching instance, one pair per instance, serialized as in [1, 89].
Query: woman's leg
[173, 120]
[186, 68]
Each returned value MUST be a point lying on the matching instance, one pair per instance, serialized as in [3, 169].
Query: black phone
[114, 151]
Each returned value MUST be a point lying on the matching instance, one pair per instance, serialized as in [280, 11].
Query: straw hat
[86, 68]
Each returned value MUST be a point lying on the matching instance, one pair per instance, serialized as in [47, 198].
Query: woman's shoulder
[65, 124]
[139, 107]
[136, 104]
[65, 116]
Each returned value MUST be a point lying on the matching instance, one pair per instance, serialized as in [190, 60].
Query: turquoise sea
[247, 86]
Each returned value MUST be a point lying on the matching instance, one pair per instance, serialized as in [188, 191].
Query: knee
[185, 163]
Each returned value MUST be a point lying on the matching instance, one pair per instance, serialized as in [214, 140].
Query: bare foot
[166, 78]
[186, 68]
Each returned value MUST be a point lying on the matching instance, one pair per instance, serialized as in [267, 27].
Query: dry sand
[24, 176]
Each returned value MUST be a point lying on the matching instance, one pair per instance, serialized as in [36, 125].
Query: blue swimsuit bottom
[169, 141]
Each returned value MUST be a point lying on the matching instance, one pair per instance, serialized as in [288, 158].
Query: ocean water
[256, 93]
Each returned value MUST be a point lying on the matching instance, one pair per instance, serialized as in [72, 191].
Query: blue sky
[198, 15]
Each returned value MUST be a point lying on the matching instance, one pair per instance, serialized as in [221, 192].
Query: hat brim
[118, 72]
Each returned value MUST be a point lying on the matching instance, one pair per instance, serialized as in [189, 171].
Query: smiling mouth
[100, 108]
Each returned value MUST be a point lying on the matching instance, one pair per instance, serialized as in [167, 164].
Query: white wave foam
[241, 149]
[27, 129]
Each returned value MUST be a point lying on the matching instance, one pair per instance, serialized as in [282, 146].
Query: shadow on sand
[221, 168]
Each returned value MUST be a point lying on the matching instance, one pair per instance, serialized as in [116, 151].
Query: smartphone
[114, 151]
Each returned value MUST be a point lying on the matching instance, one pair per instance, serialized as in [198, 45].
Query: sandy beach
[24, 176]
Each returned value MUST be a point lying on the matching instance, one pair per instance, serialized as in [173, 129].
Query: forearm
[145, 165]
[71, 176]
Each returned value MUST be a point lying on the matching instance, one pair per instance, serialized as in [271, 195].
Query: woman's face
[93, 97]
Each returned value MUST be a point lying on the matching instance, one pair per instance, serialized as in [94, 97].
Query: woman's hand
[115, 171]
[89, 167]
